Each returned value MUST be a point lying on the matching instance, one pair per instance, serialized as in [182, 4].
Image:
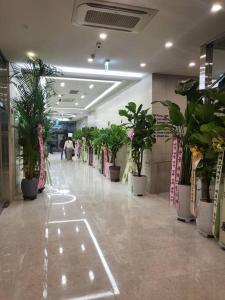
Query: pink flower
[130, 134]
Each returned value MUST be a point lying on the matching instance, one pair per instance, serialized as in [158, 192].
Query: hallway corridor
[88, 238]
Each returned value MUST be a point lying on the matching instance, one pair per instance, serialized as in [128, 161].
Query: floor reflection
[62, 197]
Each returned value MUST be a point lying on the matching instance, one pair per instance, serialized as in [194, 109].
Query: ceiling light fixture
[59, 95]
[115, 85]
[30, 54]
[192, 64]
[142, 65]
[168, 44]
[83, 96]
[103, 36]
[216, 7]
[87, 71]
[91, 86]
[62, 84]
[76, 103]
[81, 79]
[91, 58]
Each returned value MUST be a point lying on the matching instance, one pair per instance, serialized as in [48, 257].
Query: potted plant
[99, 142]
[141, 127]
[31, 109]
[117, 137]
[209, 140]
[180, 126]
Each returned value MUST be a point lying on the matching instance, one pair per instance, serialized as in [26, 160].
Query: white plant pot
[204, 218]
[139, 185]
[183, 211]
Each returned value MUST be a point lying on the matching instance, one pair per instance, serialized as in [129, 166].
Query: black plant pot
[29, 188]
[114, 173]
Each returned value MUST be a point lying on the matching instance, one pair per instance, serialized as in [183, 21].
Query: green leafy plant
[202, 121]
[31, 107]
[209, 137]
[181, 125]
[142, 131]
[116, 138]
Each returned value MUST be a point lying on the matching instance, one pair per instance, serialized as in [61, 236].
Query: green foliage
[182, 125]
[78, 134]
[115, 139]
[143, 125]
[31, 107]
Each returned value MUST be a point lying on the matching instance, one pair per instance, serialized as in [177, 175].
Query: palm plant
[209, 136]
[181, 125]
[31, 107]
[116, 138]
[142, 134]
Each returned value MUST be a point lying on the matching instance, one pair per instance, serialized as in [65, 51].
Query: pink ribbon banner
[41, 181]
[177, 153]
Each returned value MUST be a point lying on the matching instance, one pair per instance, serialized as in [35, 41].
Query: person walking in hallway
[61, 145]
[69, 148]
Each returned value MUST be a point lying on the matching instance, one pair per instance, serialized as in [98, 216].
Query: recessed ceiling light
[90, 59]
[103, 36]
[91, 86]
[76, 103]
[30, 54]
[216, 7]
[57, 102]
[192, 64]
[62, 84]
[143, 65]
[168, 44]
[83, 96]
[59, 95]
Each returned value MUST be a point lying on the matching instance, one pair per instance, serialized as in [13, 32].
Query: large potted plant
[209, 140]
[141, 127]
[117, 137]
[99, 141]
[32, 112]
[180, 126]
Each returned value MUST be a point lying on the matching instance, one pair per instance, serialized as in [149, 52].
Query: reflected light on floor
[94, 296]
[73, 198]
[82, 247]
[46, 233]
[63, 280]
[91, 275]
[101, 256]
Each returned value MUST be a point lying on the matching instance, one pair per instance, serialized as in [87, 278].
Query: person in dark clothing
[61, 145]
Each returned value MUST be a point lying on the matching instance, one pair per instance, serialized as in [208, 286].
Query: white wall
[140, 92]
[82, 123]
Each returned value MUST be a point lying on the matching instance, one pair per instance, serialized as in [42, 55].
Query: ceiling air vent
[74, 92]
[108, 15]
[67, 100]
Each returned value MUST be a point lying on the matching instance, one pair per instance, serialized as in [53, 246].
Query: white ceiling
[74, 105]
[45, 27]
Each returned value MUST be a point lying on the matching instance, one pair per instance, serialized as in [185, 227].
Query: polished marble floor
[87, 238]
